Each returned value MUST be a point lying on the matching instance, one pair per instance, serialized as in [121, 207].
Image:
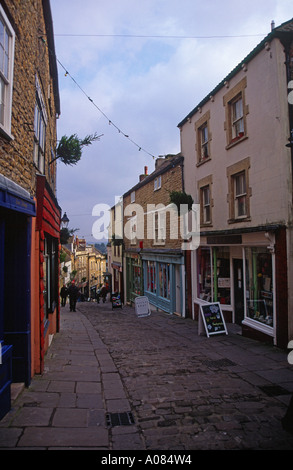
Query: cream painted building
[238, 167]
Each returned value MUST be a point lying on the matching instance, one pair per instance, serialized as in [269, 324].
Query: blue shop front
[16, 211]
[164, 280]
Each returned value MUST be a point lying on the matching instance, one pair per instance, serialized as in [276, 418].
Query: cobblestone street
[116, 382]
[192, 392]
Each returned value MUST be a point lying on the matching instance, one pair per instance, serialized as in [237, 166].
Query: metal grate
[218, 363]
[119, 419]
[273, 390]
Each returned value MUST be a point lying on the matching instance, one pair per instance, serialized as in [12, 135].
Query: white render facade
[238, 168]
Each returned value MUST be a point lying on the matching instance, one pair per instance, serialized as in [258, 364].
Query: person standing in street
[73, 295]
[63, 294]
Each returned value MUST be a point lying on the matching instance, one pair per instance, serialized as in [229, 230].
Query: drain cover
[119, 419]
[274, 390]
[218, 363]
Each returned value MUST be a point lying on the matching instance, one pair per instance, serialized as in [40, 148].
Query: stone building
[238, 167]
[153, 259]
[29, 212]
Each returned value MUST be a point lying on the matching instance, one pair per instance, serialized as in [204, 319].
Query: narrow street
[192, 392]
[116, 382]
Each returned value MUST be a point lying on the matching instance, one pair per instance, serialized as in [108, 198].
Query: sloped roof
[284, 28]
[170, 162]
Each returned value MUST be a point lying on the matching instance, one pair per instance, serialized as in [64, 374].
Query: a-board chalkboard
[213, 319]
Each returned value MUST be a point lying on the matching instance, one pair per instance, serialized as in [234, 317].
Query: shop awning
[16, 198]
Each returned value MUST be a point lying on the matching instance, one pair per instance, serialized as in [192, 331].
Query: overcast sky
[145, 65]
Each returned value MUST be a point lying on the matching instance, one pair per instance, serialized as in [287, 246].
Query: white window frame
[6, 76]
[132, 197]
[240, 194]
[159, 222]
[204, 142]
[237, 117]
[206, 202]
[157, 183]
[40, 125]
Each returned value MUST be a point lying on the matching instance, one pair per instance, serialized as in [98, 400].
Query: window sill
[256, 325]
[203, 161]
[6, 134]
[236, 141]
[240, 220]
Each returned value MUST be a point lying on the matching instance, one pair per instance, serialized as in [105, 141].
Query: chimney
[272, 25]
[142, 177]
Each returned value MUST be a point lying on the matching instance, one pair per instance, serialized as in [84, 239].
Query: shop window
[136, 279]
[151, 277]
[259, 285]
[222, 281]
[204, 274]
[7, 40]
[164, 280]
[50, 270]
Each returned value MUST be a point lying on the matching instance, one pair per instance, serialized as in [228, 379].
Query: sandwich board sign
[142, 306]
[212, 319]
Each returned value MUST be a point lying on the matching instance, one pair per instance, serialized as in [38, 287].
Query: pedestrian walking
[63, 294]
[73, 296]
[104, 293]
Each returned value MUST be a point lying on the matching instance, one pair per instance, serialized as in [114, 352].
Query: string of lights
[157, 36]
[67, 74]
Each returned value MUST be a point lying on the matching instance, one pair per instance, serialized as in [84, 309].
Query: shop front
[17, 209]
[164, 281]
[239, 271]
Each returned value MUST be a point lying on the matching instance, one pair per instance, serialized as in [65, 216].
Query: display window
[164, 280]
[151, 277]
[222, 276]
[204, 285]
[259, 285]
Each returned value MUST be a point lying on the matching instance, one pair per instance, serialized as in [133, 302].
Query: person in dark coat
[63, 294]
[104, 293]
[73, 296]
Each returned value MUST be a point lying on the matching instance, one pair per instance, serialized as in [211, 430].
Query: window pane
[6, 54]
[2, 98]
[204, 291]
[259, 285]
[240, 184]
[2, 46]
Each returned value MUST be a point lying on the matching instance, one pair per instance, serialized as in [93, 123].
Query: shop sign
[212, 319]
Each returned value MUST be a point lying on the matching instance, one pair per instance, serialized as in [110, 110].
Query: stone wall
[31, 57]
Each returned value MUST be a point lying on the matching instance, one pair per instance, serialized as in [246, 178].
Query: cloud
[144, 85]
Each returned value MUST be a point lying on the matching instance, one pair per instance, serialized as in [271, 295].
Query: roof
[284, 29]
[170, 162]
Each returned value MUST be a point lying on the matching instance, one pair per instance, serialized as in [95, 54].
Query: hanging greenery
[69, 149]
[180, 197]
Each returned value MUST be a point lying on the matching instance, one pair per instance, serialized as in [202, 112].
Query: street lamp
[64, 221]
